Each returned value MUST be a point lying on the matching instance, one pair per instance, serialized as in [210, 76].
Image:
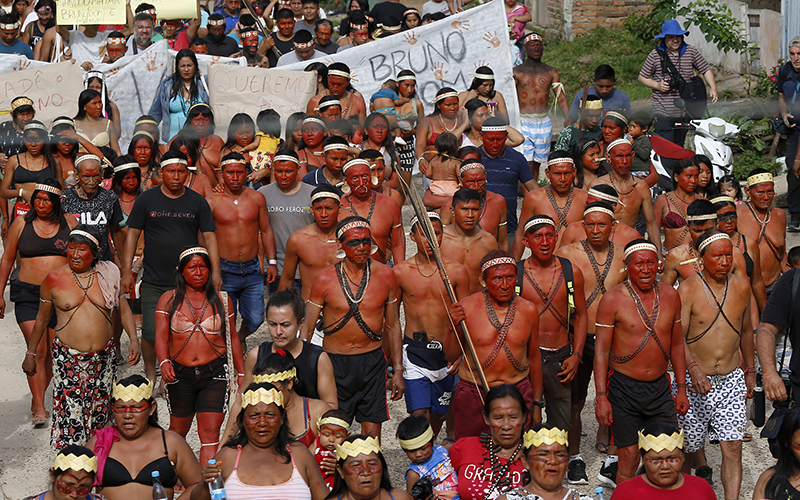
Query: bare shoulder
[667, 292]
[740, 283]
[527, 307]
[400, 495]
[451, 266]
[487, 238]
[600, 180]
[571, 250]
[382, 271]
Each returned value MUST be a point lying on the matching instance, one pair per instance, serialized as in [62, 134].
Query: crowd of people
[182, 235]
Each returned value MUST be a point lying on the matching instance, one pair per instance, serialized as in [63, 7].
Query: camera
[422, 489]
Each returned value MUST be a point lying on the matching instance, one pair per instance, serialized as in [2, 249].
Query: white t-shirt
[87, 49]
[430, 7]
[291, 58]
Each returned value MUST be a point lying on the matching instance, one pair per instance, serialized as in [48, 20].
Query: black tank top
[306, 364]
[32, 245]
[22, 175]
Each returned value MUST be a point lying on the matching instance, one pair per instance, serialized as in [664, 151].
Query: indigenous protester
[670, 208]
[72, 475]
[418, 441]
[426, 372]
[482, 88]
[249, 40]
[303, 44]
[339, 77]
[84, 294]
[621, 234]
[336, 152]
[9, 37]
[333, 429]
[516, 334]
[637, 389]
[11, 131]
[359, 363]
[197, 378]
[587, 126]
[91, 123]
[445, 112]
[362, 472]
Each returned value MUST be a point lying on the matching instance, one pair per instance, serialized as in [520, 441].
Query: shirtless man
[241, 214]
[638, 334]
[587, 255]
[464, 241]
[377, 169]
[634, 193]
[84, 293]
[683, 261]
[621, 234]
[493, 218]
[382, 212]
[534, 79]
[765, 224]
[359, 320]
[504, 330]
[353, 106]
[313, 248]
[561, 200]
[543, 271]
[715, 313]
[427, 375]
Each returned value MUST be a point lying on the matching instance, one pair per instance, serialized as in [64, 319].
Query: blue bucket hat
[671, 27]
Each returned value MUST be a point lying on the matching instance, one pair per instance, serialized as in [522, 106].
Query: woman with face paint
[482, 88]
[362, 473]
[64, 144]
[446, 117]
[72, 476]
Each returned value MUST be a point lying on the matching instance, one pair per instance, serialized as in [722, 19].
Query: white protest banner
[91, 12]
[250, 90]
[441, 54]
[169, 9]
[53, 88]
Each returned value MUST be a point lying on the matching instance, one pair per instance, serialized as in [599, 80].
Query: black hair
[234, 155]
[725, 179]
[116, 183]
[447, 143]
[139, 126]
[788, 465]
[322, 22]
[216, 16]
[617, 121]
[320, 68]
[8, 19]
[407, 72]
[757, 171]
[155, 152]
[700, 207]
[711, 188]
[57, 213]
[337, 413]
[247, 19]
[177, 81]
[315, 2]
[643, 119]
[656, 428]
[269, 122]
[302, 36]
[143, 7]
[198, 42]
[605, 72]
[437, 16]
[409, 12]
[477, 82]
[211, 293]
[85, 97]
[346, 221]
[189, 138]
[606, 189]
[465, 195]
[472, 106]
[72, 449]
[290, 298]
[137, 380]
[325, 188]
[55, 139]
[703, 237]
[371, 154]
[335, 139]
[412, 426]
[426, 18]
[679, 168]
[590, 98]
[198, 110]
[109, 110]
[342, 125]
[81, 239]
[276, 362]
[388, 143]
[283, 438]
[284, 14]
[238, 121]
[793, 256]
[494, 121]
[340, 487]
[503, 390]
[294, 121]
[462, 152]
[287, 152]
[441, 91]
[47, 152]
[578, 150]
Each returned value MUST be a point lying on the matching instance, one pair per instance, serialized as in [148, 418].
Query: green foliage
[767, 82]
[744, 163]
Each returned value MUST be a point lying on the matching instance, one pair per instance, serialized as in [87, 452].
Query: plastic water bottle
[217, 486]
[599, 493]
[159, 493]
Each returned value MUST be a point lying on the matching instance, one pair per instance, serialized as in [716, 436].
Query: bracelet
[272, 262]
[691, 365]
[30, 354]
[750, 370]
[162, 363]
[398, 368]
[241, 374]
[20, 193]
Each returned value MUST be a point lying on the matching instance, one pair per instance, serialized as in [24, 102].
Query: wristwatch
[540, 404]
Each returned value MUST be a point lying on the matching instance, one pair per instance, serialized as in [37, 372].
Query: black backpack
[693, 92]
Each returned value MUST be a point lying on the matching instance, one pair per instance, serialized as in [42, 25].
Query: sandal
[601, 447]
[40, 421]
[747, 437]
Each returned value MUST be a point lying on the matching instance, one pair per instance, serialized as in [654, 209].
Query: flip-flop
[601, 447]
[747, 437]
[40, 421]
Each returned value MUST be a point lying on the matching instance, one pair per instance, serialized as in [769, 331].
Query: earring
[374, 180]
[373, 249]
[339, 254]
[623, 270]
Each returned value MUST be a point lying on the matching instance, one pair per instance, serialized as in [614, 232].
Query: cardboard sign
[167, 9]
[53, 88]
[91, 12]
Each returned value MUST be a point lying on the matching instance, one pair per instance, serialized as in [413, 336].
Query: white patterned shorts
[721, 414]
[537, 132]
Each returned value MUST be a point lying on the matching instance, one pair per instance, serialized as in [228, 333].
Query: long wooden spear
[259, 24]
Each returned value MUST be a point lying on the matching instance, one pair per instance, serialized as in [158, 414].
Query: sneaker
[608, 474]
[705, 472]
[793, 226]
[576, 474]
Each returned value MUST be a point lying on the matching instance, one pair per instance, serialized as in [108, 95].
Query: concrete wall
[766, 31]
[729, 61]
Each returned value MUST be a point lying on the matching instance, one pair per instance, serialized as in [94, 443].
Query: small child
[794, 257]
[637, 128]
[443, 170]
[427, 460]
[334, 427]
[267, 141]
[729, 186]
[384, 101]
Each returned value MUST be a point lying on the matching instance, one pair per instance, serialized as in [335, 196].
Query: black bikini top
[116, 474]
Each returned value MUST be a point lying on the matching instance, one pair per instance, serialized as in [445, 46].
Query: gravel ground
[25, 454]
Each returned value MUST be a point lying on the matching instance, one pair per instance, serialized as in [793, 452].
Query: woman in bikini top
[90, 123]
[670, 208]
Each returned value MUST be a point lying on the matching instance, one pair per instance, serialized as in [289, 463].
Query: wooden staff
[260, 25]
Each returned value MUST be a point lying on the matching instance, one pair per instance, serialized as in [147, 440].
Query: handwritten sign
[167, 9]
[91, 12]
[239, 89]
[54, 90]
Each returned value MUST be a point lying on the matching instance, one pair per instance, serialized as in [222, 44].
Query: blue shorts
[244, 283]
[421, 393]
[538, 132]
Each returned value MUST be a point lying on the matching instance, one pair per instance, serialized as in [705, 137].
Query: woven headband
[537, 221]
[640, 246]
[351, 225]
[126, 166]
[216, 22]
[661, 442]
[390, 27]
[544, 436]
[144, 133]
[411, 11]
[171, 161]
[482, 76]
[431, 215]
[132, 392]
[146, 121]
[327, 104]
[306, 45]
[334, 146]
[275, 377]
[615, 143]
[533, 37]
[262, 395]
[89, 236]
[561, 160]
[75, 462]
[84, 158]
[325, 195]
[598, 209]
[230, 161]
[63, 121]
[498, 262]
[353, 163]
[603, 196]
[471, 166]
[286, 158]
[712, 239]
[598, 104]
[49, 189]
[406, 77]
[314, 119]
[9, 26]
[34, 126]
[113, 40]
[618, 116]
[445, 96]
[358, 447]
[333, 421]
[417, 442]
[700, 218]
[190, 251]
[20, 101]
[494, 128]
[759, 178]
[338, 72]
[720, 199]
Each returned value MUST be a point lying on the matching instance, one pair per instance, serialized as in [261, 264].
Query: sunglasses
[358, 243]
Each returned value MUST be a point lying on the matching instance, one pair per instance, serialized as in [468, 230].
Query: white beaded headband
[248, 34]
[325, 194]
[471, 166]
[431, 215]
[640, 246]
[335, 145]
[352, 225]
[84, 158]
[603, 196]
[338, 72]
[190, 251]
[306, 45]
[329, 103]
[538, 220]
[144, 133]
[712, 239]
[497, 262]
[86, 235]
[49, 189]
[356, 27]
[618, 116]
[9, 26]
[125, 166]
[615, 143]
[482, 76]
[113, 40]
[313, 119]
[700, 218]
[216, 22]
[533, 36]
[555, 161]
[445, 96]
[354, 162]
[63, 121]
[230, 161]
[598, 209]
[34, 126]
[286, 158]
[494, 128]
[171, 161]
[406, 77]
[720, 199]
